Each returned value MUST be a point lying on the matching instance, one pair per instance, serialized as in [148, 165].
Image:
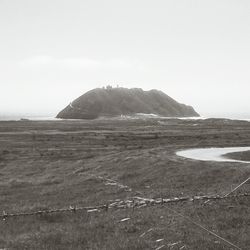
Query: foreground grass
[106, 231]
[56, 164]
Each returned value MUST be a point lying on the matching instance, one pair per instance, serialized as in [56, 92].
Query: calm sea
[32, 118]
[52, 118]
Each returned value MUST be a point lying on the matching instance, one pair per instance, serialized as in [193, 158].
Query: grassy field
[57, 164]
[242, 156]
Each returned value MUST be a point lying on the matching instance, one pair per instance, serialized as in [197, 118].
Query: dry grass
[56, 164]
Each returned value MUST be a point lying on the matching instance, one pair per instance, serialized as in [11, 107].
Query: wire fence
[133, 202]
[139, 202]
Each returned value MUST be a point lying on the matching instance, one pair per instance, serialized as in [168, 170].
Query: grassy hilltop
[122, 101]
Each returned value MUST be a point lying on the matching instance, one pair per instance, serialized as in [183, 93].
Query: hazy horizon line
[10, 115]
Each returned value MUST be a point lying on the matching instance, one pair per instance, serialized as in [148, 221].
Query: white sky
[52, 51]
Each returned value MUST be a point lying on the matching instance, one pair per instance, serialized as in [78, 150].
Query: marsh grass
[130, 153]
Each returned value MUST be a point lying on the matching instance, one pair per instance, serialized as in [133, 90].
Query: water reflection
[212, 154]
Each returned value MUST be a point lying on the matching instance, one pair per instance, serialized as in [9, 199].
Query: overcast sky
[52, 51]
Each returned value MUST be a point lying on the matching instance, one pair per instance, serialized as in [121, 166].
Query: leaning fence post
[5, 215]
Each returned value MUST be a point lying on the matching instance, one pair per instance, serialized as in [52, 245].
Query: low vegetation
[110, 102]
[242, 156]
[62, 164]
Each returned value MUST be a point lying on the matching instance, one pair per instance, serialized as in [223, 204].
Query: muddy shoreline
[242, 156]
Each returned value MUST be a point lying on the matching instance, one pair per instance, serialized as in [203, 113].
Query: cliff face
[122, 101]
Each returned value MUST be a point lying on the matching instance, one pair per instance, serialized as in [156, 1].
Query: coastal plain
[86, 163]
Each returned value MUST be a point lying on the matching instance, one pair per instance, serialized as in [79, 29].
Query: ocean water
[32, 118]
[137, 116]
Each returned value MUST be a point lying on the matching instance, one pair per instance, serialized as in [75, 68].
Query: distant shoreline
[32, 118]
[51, 118]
